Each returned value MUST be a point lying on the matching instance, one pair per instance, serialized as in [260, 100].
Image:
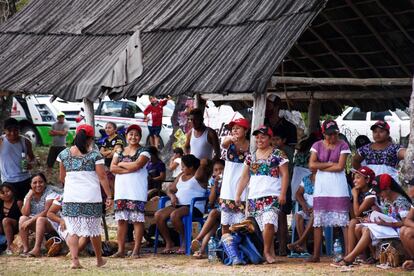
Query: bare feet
[135, 254]
[75, 264]
[118, 255]
[313, 259]
[269, 258]
[101, 262]
[408, 265]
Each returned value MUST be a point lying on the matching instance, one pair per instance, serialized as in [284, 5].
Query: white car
[353, 122]
[125, 113]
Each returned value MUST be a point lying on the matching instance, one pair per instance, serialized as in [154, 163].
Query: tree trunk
[408, 167]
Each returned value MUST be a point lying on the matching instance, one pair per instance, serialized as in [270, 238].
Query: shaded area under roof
[70, 48]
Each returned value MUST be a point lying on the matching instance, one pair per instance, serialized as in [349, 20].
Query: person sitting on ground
[192, 182]
[363, 201]
[382, 156]
[267, 174]
[407, 232]
[175, 162]
[390, 191]
[156, 170]
[304, 196]
[35, 206]
[112, 144]
[199, 244]
[10, 212]
[131, 190]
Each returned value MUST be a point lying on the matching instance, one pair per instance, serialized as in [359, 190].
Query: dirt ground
[176, 265]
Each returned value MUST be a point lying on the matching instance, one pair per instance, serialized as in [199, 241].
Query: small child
[199, 244]
[10, 212]
[304, 196]
[175, 162]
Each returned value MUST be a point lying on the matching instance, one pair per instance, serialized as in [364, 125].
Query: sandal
[198, 255]
[117, 255]
[195, 245]
[408, 265]
[167, 252]
[180, 251]
[342, 263]
[296, 248]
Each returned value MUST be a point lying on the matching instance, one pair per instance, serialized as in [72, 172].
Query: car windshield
[402, 115]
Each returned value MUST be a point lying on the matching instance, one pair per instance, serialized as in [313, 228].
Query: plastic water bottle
[23, 162]
[212, 250]
[337, 248]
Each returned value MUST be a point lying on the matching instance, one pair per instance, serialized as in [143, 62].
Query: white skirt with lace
[83, 226]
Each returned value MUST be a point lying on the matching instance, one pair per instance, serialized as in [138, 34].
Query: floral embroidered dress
[382, 161]
[265, 182]
[331, 200]
[234, 162]
[131, 190]
[82, 199]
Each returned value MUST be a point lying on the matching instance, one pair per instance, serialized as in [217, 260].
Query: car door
[355, 123]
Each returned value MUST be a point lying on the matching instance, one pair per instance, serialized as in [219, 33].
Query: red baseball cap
[381, 124]
[244, 123]
[365, 172]
[330, 127]
[87, 128]
[136, 127]
[263, 130]
[383, 182]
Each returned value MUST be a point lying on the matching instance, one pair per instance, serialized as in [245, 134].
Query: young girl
[236, 149]
[131, 187]
[266, 172]
[175, 162]
[391, 192]
[112, 144]
[304, 195]
[407, 232]
[199, 244]
[331, 194]
[190, 183]
[363, 201]
[10, 212]
[156, 170]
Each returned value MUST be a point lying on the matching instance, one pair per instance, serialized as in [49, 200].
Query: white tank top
[200, 147]
[187, 190]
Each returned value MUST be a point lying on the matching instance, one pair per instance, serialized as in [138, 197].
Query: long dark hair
[41, 176]
[394, 186]
[81, 141]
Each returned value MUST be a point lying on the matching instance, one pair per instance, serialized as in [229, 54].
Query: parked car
[353, 122]
[125, 113]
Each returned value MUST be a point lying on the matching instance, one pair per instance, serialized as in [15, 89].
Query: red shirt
[156, 112]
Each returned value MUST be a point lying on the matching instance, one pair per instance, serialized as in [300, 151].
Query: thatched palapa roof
[75, 48]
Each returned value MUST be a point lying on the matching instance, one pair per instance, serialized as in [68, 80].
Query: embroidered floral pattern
[229, 205]
[269, 166]
[75, 209]
[131, 205]
[387, 156]
[80, 163]
[263, 204]
[131, 158]
[233, 155]
[302, 159]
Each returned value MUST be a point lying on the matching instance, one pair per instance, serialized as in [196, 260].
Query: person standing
[331, 201]
[82, 171]
[13, 149]
[156, 110]
[267, 174]
[58, 132]
[202, 141]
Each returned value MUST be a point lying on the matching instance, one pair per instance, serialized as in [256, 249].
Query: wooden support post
[342, 81]
[89, 112]
[259, 108]
[313, 115]
[408, 167]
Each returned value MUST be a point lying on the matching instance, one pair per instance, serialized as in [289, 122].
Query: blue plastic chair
[187, 221]
[328, 233]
